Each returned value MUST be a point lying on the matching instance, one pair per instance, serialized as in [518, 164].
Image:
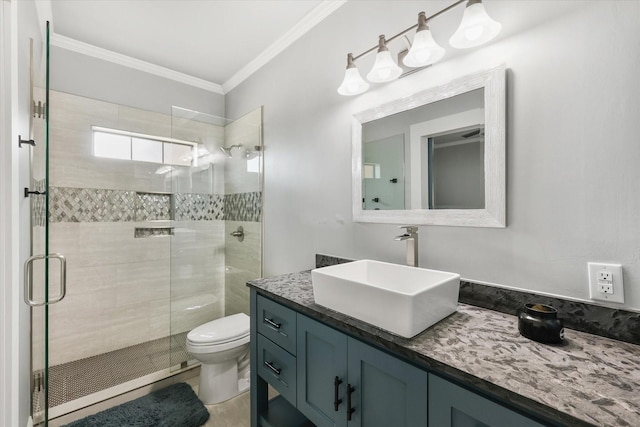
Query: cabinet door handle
[272, 323]
[336, 402]
[273, 368]
[350, 410]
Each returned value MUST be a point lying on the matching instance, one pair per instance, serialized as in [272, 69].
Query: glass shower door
[44, 273]
[217, 242]
[197, 243]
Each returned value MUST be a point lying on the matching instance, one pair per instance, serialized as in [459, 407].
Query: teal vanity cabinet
[454, 406]
[273, 362]
[342, 381]
[327, 378]
[322, 373]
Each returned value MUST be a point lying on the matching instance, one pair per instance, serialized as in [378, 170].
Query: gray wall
[572, 139]
[90, 77]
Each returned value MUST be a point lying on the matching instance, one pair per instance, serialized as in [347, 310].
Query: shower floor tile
[73, 380]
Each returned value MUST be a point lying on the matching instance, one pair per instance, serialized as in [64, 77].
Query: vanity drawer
[277, 323]
[278, 368]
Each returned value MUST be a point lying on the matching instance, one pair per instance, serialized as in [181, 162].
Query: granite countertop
[588, 380]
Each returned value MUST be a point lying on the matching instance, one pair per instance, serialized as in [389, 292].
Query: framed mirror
[434, 158]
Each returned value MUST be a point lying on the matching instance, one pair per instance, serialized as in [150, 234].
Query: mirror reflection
[429, 157]
[455, 171]
[383, 173]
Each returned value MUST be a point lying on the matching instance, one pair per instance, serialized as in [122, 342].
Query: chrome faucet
[411, 236]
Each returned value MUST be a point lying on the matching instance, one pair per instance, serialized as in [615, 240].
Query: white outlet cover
[594, 270]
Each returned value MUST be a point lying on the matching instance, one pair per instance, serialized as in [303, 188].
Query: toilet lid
[225, 329]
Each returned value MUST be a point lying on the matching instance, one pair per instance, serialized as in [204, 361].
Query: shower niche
[154, 208]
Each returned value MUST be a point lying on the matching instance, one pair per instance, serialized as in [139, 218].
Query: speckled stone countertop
[588, 380]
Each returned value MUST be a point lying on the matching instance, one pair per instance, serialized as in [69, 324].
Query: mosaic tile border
[153, 206]
[38, 211]
[243, 206]
[607, 322]
[198, 207]
[91, 205]
[100, 205]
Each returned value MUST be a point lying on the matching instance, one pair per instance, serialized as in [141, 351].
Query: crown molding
[137, 64]
[319, 13]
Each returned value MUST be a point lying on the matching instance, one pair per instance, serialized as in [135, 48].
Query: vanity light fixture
[476, 28]
[353, 83]
[385, 68]
[424, 50]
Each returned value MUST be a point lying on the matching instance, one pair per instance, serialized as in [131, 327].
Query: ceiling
[216, 43]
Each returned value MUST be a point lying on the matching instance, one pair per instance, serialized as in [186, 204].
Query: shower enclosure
[141, 207]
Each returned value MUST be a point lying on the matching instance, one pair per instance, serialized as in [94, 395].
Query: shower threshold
[84, 382]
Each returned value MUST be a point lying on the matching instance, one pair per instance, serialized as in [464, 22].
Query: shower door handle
[28, 280]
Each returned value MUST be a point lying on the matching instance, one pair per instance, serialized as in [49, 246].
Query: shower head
[228, 150]
[250, 154]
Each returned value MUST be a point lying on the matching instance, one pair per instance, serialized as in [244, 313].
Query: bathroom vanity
[473, 367]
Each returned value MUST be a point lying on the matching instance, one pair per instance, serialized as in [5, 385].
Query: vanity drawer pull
[276, 366]
[272, 323]
[273, 368]
[276, 322]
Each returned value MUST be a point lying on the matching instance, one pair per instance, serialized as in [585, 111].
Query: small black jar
[540, 322]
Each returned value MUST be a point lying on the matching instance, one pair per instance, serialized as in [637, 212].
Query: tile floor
[234, 412]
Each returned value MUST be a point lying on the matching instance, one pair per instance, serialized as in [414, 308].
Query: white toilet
[222, 347]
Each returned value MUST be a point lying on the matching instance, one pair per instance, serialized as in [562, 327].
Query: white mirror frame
[494, 214]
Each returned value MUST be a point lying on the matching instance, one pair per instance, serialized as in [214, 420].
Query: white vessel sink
[401, 299]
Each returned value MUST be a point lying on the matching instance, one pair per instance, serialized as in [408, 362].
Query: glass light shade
[424, 50]
[384, 69]
[353, 83]
[476, 28]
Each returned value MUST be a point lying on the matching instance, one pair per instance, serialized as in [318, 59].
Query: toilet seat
[220, 334]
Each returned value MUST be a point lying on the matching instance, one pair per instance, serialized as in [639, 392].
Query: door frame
[14, 231]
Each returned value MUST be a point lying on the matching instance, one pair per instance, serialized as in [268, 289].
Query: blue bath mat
[174, 406]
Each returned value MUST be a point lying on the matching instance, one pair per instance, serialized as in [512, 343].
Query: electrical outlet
[605, 276]
[605, 282]
[605, 288]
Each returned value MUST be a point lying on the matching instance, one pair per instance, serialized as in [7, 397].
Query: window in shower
[123, 145]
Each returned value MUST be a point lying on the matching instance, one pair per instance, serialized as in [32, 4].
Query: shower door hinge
[28, 192]
[39, 109]
[21, 142]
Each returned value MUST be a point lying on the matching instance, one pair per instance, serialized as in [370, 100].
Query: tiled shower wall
[243, 207]
[121, 289]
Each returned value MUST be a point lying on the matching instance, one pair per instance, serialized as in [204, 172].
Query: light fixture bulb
[384, 68]
[476, 27]
[353, 83]
[424, 50]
